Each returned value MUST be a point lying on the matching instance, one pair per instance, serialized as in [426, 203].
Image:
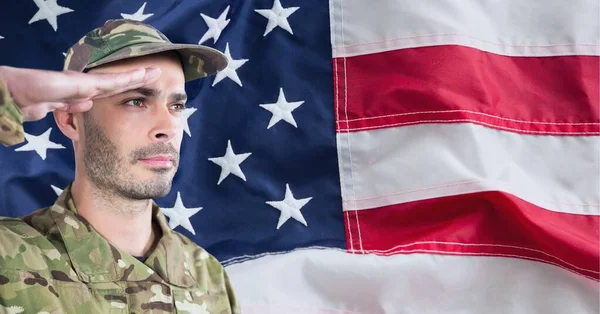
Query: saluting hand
[37, 92]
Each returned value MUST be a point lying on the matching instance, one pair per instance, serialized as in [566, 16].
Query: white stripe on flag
[509, 27]
[330, 281]
[398, 165]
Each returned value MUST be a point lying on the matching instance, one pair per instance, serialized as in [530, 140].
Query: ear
[70, 124]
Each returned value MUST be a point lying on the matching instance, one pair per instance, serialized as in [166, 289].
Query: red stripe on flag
[486, 223]
[452, 84]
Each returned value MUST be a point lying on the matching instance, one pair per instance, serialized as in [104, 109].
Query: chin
[155, 174]
[161, 194]
[146, 189]
[162, 170]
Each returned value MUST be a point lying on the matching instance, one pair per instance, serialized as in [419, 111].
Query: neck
[125, 223]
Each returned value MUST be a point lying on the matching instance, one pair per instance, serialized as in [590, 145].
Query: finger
[109, 84]
[38, 112]
[46, 106]
[74, 86]
[51, 106]
[79, 107]
[32, 87]
[34, 115]
[88, 85]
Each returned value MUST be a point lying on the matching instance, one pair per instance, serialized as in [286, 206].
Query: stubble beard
[111, 173]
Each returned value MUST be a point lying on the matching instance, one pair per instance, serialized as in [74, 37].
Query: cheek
[129, 139]
[124, 136]
[179, 137]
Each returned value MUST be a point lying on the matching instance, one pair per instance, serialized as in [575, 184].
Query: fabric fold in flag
[456, 84]
[335, 282]
[404, 164]
[512, 28]
[486, 224]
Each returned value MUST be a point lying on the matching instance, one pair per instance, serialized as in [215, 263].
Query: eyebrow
[151, 92]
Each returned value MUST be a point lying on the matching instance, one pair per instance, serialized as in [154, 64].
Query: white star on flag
[277, 16]
[230, 163]
[49, 10]
[139, 15]
[185, 114]
[229, 71]
[179, 215]
[57, 190]
[215, 26]
[282, 110]
[39, 143]
[1, 37]
[290, 207]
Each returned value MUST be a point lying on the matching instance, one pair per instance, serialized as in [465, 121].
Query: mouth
[161, 161]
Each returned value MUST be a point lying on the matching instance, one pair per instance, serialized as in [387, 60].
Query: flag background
[449, 149]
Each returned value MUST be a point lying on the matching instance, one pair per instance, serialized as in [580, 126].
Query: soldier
[104, 246]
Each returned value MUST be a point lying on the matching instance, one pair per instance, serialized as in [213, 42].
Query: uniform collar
[94, 259]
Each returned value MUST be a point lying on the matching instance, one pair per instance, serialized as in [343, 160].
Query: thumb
[77, 107]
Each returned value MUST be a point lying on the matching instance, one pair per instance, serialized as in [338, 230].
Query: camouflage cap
[122, 39]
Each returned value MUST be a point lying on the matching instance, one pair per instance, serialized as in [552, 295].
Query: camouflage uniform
[11, 119]
[53, 260]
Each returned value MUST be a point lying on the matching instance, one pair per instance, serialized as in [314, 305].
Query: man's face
[130, 142]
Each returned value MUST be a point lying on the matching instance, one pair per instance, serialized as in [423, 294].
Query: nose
[164, 123]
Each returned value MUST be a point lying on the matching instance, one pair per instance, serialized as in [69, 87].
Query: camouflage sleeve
[11, 118]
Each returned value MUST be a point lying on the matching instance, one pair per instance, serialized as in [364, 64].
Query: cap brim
[197, 61]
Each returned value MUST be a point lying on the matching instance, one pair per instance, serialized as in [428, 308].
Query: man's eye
[179, 107]
[138, 102]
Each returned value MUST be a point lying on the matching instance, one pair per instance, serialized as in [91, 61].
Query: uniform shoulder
[15, 228]
[28, 226]
[22, 245]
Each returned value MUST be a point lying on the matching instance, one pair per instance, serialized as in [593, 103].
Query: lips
[158, 158]
[158, 161]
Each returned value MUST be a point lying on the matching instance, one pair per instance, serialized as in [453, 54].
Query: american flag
[385, 156]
